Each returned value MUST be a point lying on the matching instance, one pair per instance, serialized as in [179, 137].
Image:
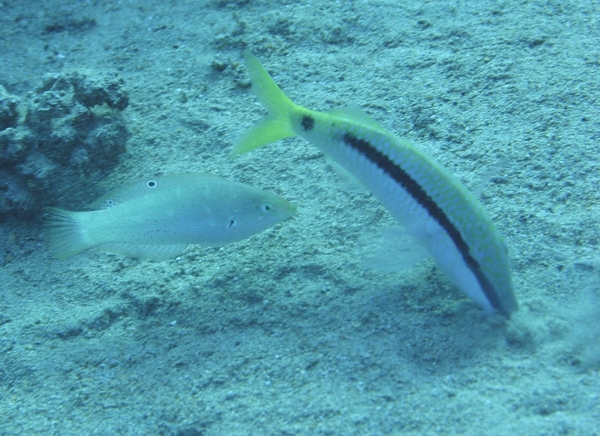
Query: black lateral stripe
[417, 192]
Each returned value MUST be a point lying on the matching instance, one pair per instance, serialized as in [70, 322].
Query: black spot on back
[307, 123]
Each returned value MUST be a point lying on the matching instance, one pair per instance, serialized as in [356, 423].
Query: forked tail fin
[277, 124]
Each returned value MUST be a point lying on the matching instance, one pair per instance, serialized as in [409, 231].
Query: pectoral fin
[398, 251]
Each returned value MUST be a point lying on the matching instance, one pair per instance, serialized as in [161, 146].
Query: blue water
[287, 332]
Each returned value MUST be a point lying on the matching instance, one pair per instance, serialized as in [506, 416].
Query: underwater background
[288, 332]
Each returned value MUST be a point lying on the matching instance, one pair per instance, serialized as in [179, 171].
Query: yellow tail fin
[277, 124]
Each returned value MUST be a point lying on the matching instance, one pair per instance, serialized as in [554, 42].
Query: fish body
[434, 206]
[157, 218]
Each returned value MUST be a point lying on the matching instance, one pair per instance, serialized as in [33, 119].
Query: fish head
[257, 211]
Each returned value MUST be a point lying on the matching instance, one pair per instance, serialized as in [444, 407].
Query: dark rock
[9, 114]
[71, 131]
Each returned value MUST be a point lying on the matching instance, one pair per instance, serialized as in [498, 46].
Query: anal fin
[145, 251]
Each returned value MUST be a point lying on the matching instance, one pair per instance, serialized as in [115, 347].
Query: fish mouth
[292, 209]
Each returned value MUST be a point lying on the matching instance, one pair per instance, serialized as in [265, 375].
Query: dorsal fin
[356, 115]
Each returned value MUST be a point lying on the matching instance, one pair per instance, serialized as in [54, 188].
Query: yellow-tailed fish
[421, 194]
[157, 218]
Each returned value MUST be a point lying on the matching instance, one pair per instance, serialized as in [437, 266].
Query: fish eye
[232, 222]
[151, 184]
[110, 203]
[266, 207]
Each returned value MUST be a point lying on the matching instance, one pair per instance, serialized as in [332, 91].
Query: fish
[158, 217]
[435, 208]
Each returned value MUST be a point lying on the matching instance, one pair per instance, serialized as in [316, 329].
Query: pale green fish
[432, 204]
[157, 218]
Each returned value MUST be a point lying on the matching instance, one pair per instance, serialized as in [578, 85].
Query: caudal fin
[277, 124]
[65, 232]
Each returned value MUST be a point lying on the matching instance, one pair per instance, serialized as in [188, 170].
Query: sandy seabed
[287, 333]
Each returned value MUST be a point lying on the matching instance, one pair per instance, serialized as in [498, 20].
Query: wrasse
[157, 218]
[434, 206]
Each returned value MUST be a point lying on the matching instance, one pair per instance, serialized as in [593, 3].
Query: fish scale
[435, 207]
[157, 218]
[444, 212]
